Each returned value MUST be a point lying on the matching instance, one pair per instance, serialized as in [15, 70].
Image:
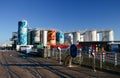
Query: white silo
[111, 35]
[94, 35]
[81, 38]
[87, 36]
[45, 37]
[98, 37]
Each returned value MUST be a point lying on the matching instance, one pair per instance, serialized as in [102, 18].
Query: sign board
[73, 50]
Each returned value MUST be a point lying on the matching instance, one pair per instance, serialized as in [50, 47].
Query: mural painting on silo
[76, 37]
[60, 37]
[36, 36]
[22, 32]
[68, 38]
[51, 37]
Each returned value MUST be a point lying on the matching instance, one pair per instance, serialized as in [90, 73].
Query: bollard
[60, 57]
[53, 52]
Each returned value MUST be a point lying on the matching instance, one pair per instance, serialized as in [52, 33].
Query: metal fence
[110, 57]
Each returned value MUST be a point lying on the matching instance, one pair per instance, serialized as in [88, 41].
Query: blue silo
[60, 37]
[22, 32]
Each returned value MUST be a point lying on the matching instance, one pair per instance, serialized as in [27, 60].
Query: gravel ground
[16, 65]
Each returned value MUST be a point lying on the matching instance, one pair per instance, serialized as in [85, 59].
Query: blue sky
[64, 15]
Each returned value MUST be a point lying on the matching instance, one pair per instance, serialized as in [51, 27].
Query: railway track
[48, 67]
[9, 72]
[52, 69]
[33, 71]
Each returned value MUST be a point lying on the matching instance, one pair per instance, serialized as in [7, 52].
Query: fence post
[103, 57]
[101, 60]
[52, 52]
[56, 54]
[80, 57]
[93, 53]
[59, 50]
[115, 59]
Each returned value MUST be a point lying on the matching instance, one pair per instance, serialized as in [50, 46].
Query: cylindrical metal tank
[65, 37]
[22, 32]
[60, 37]
[111, 35]
[94, 35]
[76, 37]
[81, 37]
[98, 37]
[51, 37]
[87, 36]
[29, 37]
[43, 37]
[105, 36]
[68, 38]
[36, 36]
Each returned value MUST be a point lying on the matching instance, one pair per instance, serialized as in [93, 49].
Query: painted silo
[76, 37]
[70, 35]
[22, 32]
[68, 38]
[60, 37]
[105, 36]
[51, 37]
[36, 36]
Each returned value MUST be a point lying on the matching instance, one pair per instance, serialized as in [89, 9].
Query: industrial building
[89, 35]
[38, 38]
